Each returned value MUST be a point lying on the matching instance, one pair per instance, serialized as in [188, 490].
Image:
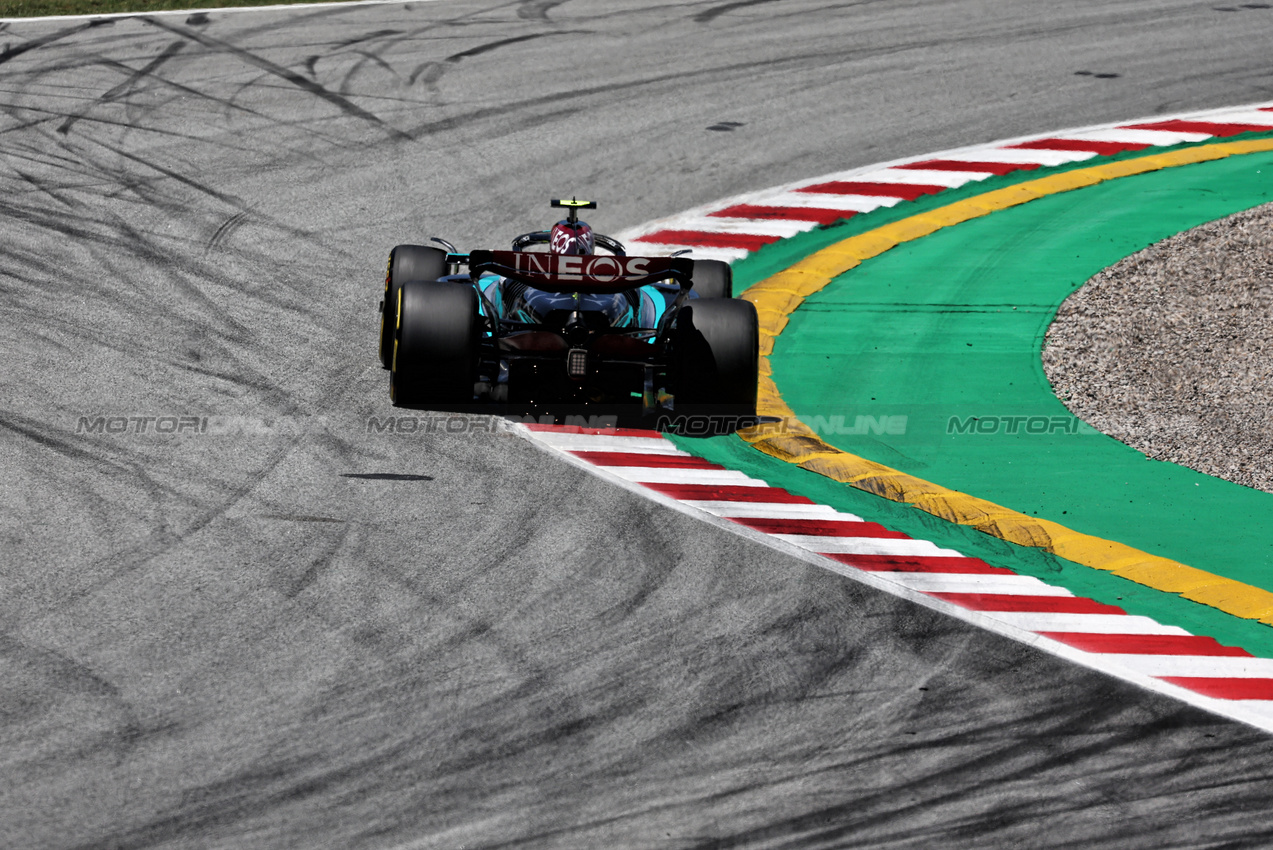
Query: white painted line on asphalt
[643, 458]
[1157, 138]
[770, 510]
[678, 475]
[592, 442]
[826, 200]
[1022, 156]
[1244, 116]
[975, 583]
[753, 226]
[1110, 624]
[897, 547]
[923, 177]
[1202, 666]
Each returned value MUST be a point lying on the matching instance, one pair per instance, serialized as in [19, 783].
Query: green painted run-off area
[927, 359]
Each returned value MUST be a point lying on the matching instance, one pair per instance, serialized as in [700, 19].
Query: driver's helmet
[570, 238]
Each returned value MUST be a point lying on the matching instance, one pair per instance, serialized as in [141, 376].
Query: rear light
[577, 362]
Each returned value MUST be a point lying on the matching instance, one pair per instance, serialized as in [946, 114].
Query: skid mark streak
[537, 10]
[504, 42]
[386, 476]
[717, 72]
[14, 52]
[224, 232]
[371, 36]
[347, 83]
[37, 432]
[268, 783]
[64, 679]
[716, 11]
[282, 73]
[125, 87]
[231, 200]
[327, 554]
[301, 518]
[184, 89]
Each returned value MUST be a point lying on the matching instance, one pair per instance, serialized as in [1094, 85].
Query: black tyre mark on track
[371, 36]
[270, 783]
[435, 72]
[320, 562]
[13, 52]
[715, 12]
[495, 45]
[122, 562]
[135, 185]
[902, 807]
[347, 82]
[68, 678]
[256, 382]
[125, 87]
[556, 98]
[282, 73]
[301, 518]
[386, 476]
[537, 10]
[53, 115]
[227, 228]
[431, 71]
[43, 188]
[231, 200]
[38, 432]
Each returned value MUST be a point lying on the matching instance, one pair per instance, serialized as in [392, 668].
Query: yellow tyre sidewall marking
[393, 369]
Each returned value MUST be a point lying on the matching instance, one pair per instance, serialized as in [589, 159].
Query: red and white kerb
[731, 229]
[1167, 659]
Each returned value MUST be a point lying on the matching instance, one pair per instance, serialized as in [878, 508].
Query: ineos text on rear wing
[569, 273]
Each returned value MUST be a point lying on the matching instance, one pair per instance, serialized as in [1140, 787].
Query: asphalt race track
[253, 616]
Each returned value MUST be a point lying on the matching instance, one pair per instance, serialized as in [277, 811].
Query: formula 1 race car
[571, 325]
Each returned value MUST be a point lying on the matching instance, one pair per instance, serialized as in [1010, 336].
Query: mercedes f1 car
[567, 317]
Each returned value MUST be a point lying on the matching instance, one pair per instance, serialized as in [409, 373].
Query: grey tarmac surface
[248, 619]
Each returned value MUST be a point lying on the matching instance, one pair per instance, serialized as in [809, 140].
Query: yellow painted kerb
[791, 440]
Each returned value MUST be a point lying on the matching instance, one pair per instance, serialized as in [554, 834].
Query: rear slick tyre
[712, 279]
[717, 345]
[436, 342]
[406, 262]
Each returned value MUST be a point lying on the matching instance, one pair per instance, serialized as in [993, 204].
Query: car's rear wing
[569, 273]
